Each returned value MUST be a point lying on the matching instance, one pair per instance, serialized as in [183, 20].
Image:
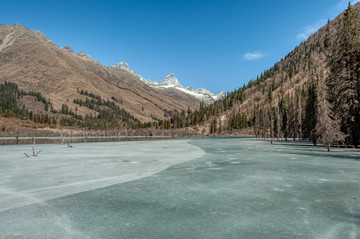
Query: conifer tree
[327, 127]
[271, 116]
[271, 123]
[310, 111]
[327, 40]
[298, 113]
[292, 119]
[343, 80]
[284, 109]
[257, 123]
[277, 122]
[213, 126]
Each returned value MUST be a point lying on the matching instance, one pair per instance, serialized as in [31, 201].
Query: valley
[93, 148]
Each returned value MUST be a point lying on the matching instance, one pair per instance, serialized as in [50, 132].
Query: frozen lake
[195, 188]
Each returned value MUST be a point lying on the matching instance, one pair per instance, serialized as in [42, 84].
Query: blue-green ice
[194, 188]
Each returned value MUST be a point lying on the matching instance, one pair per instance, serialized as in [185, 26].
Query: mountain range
[32, 61]
[35, 63]
[171, 81]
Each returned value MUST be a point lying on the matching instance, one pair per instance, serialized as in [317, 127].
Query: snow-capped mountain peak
[124, 66]
[219, 95]
[171, 81]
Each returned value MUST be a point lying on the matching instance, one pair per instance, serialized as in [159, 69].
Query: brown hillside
[35, 63]
[292, 71]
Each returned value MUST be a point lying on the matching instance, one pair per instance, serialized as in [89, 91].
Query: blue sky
[214, 44]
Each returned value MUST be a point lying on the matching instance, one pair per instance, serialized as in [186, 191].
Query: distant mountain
[172, 82]
[36, 64]
[124, 66]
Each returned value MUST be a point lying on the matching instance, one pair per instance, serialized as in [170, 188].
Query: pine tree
[271, 123]
[327, 127]
[343, 80]
[271, 116]
[292, 118]
[264, 122]
[256, 120]
[277, 122]
[310, 111]
[213, 126]
[298, 113]
[327, 40]
[220, 127]
[284, 109]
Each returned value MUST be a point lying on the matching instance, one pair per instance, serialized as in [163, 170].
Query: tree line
[10, 95]
[108, 116]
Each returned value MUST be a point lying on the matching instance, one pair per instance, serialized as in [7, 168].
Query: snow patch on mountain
[124, 66]
[171, 81]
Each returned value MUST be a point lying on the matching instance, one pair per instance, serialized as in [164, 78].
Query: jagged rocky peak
[83, 55]
[21, 32]
[18, 25]
[171, 81]
[68, 48]
[122, 65]
[220, 95]
[204, 91]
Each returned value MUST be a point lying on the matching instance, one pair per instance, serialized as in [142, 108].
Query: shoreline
[75, 139]
[93, 139]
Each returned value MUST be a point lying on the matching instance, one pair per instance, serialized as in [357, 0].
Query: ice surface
[241, 188]
[59, 170]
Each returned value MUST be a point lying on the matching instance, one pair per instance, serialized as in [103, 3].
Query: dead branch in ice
[33, 149]
[35, 154]
[61, 135]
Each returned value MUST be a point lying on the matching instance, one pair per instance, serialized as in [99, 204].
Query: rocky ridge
[172, 82]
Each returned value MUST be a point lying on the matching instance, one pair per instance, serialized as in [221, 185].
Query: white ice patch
[59, 171]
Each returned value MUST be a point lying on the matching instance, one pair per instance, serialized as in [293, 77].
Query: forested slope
[313, 93]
